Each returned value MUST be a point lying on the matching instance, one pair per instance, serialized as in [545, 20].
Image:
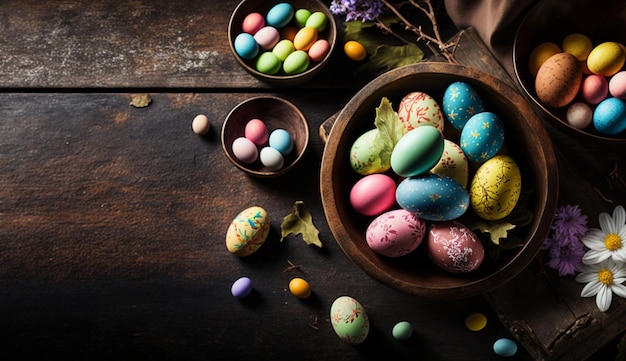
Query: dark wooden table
[113, 218]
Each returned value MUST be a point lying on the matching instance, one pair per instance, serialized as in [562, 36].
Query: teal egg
[296, 62]
[460, 102]
[268, 63]
[279, 15]
[609, 117]
[433, 197]
[505, 347]
[245, 46]
[482, 136]
[417, 151]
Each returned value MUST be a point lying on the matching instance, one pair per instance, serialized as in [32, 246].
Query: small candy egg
[256, 131]
[417, 109]
[579, 115]
[453, 163]
[475, 321]
[417, 151]
[594, 89]
[402, 331]
[248, 231]
[373, 194]
[301, 16]
[433, 197]
[244, 150]
[578, 45]
[482, 136]
[395, 233]
[606, 59]
[200, 124]
[268, 63]
[252, 23]
[317, 20]
[281, 141]
[609, 117]
[558, 80]
[454, 247]
[300, 288]
[267, 37]
[354, 50]
[280, 15]
[617, 85]
[245, 46]
[271, 158]
[460, 102]
[296, 62]
[540, 54]
[305, 38]
[283, 48]
[505, 347]
[349, 320]
[241, 288]
[362, 155]
[495, 188]
[318, 51]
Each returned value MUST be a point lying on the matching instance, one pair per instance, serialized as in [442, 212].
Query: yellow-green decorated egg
[495, 188]
[364, 156]
[248, 231]
[453, 163]
[349, 320]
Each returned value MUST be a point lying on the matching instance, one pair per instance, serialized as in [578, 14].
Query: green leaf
[495, 230]
[389, 132]
[300, 222]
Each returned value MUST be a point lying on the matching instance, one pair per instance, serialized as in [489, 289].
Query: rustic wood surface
[112, 218]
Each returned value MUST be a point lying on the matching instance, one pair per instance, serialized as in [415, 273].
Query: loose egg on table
[433, 197]
[248, 231]
[495, 188]
[395, 233]
[454, 247]
[417, 109]
[460, 102]
[349, 320]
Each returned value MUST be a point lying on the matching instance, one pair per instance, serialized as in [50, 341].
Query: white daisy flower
[602, 280]
[609, 241]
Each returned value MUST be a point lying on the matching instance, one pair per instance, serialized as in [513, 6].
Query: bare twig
[602, 195]
[293, 267]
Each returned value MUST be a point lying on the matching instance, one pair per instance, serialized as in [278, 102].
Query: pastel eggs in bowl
[415, 272]
[265, 136]
[283, 43]
[591, 34]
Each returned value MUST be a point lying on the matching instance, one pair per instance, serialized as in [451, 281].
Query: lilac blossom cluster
[366, 10]
[564, 244]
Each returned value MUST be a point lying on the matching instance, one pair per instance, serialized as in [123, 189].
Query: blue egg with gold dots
[482, 137]
[460, 102]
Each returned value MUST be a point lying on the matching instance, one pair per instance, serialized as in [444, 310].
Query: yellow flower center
[612, 242]
[605, 276]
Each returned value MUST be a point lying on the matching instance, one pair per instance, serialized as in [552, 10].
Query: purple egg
[242, 287]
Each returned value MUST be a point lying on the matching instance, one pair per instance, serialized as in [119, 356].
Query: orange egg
[354, 50]
[305, 38]
[558, 80]
[300, 288]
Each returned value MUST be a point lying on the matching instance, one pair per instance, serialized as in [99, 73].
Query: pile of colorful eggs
[589, 80]
[427, 181]
[286, 39]
[274, 146]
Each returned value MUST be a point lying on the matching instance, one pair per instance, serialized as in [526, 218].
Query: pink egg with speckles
[617, 85]
[454, 247]
[373, 194]
[594, 89]
[395, 233]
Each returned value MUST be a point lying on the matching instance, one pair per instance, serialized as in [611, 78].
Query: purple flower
[566, 256]
[569, 221]
[366, 10]
[564, 245]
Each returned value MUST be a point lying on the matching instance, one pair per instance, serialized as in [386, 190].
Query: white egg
[271, 158]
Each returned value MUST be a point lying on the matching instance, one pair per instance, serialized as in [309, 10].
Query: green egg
[296, 62]
[268, 63]
[418, 151]
[317, 20]
[283, 48]
[301, 17]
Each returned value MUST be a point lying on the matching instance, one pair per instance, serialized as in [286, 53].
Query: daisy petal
[586, 277]
[619, 290]
[593, 257]
[606, 223]
[591, 289]
[604, 298]
[619, 217]
[594, 239]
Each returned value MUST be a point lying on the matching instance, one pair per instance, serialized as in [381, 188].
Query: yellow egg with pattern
[453, 163]
[248, 231]
[495, 188]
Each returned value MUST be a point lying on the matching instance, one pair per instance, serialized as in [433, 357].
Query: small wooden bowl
[262, 7]
[552, 21]
[525, 138]
[276, 113]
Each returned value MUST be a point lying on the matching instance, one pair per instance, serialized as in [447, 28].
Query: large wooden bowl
[525, 138]
[281, 79]
[552, 20]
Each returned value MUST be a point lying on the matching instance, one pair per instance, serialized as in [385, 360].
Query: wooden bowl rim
[547, 195]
